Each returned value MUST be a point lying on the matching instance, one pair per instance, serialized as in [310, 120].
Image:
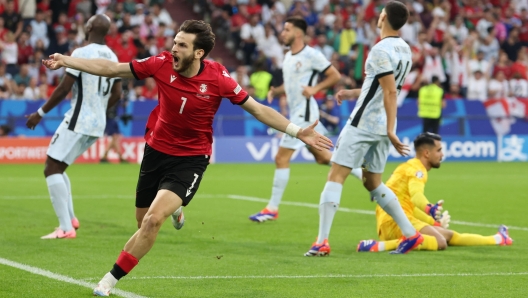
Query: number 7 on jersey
[183, 104]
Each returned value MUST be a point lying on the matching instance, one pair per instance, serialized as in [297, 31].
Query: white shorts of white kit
[357, 148]
[290, 142]
[66, 145]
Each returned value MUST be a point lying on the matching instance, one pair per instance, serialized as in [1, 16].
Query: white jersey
[519, 87]
[391, 55]
[87, 115]
[302, 69]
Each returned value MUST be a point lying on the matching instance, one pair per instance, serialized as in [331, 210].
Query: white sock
[280, 181]
[358, 173]
[70, 198]
[389, 202]
[381, 246]
[498, 238]
[328, 205]
[59, 199]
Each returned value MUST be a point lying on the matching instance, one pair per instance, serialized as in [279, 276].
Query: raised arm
[98, 67]
[275, 120]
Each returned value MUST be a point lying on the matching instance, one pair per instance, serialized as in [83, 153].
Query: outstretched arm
[274, 119]
[98, 67]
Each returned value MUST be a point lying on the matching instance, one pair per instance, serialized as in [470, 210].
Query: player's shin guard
[280, 181]
[328, 205]
[70, 198]
[59, 198]
[389, 202]
[471, 240]
[124, 264]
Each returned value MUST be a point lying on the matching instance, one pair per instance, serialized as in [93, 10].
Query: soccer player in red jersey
[179, 131]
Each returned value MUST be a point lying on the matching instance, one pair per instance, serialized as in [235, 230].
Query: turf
[219, 242]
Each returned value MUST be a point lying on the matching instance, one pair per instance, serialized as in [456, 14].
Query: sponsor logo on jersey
[225, 74]
[237, 89]
[173, 77]
[203, 88]
[419, 174]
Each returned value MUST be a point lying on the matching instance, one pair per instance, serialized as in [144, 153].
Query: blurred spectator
[512, 45]
[479, 63]
[260, 79]
[149, 91]
[39, 30]
[125, 24]
[323, 47]
[13, 20]
[9, 50]
[347, 38]
[5, 130]
[241, 76]
[23, 76]
[138, 18]
[518, 86]
[521, 64]
[250, 33]
[409, 31]
[19, 92]
[6, 82]
[485, 25]
[147, 27]
[32, 92]
[160, 15]
[254, 8]
[3, 30]
[126, 50]
[329, 116]
[498, 86]
[433, 65]
[454, 92]
[477, 86]
[24, 48]
[459, 30]
[503, 65]
[270, 47]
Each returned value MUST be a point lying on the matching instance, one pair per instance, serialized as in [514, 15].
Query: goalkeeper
[408, 183]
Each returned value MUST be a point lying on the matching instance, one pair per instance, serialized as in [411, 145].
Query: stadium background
[451, 39]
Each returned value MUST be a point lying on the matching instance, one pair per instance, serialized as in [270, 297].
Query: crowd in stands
[31, 30]
[478, 48]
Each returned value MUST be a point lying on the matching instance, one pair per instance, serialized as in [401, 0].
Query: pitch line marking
[358, 276]
[360, 211]
[63, 278]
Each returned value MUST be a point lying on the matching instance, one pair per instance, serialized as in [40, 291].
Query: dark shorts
[179, 174]
[111, 127]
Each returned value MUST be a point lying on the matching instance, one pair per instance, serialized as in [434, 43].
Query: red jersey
[182, 123]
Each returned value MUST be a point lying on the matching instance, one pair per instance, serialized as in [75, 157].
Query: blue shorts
[111, 127]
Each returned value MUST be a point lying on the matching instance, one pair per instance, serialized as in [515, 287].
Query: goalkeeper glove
[435, 211]
[444, 220]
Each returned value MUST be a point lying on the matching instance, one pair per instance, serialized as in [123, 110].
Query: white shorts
[356, 148]
[66, 145]
[290, 142]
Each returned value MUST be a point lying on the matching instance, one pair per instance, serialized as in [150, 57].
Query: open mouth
[175, 60]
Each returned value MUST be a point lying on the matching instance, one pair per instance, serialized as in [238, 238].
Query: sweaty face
[288, 34]
[182, 52]
[436, 155]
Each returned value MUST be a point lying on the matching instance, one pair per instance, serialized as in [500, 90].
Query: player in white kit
[83, 124]
[301, 68]
[371, 128]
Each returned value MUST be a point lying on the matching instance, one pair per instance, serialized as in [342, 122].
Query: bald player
[83, 124]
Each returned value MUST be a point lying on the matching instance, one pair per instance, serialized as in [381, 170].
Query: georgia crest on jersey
[391, 55]
[302, 69]
[90, 93]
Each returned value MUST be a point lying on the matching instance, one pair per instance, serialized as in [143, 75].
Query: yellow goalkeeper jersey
[406, 181]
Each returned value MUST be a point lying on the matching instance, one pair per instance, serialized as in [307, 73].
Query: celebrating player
[301, 67]
[83, 124]
[408, 183]
[179, 131]
[370, 130]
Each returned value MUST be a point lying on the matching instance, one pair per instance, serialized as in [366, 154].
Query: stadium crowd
[478, 48]
[30, 30]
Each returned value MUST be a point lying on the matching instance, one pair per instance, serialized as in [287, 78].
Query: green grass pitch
[220, 253]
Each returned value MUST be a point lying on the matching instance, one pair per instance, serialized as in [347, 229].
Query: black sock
[117, 272]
